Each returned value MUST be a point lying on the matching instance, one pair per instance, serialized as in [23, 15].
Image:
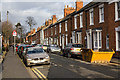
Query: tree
[30, 21]
[7, 29]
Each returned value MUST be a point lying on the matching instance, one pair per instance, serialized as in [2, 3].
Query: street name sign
[14, 33]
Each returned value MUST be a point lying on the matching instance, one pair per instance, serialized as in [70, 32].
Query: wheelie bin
[102, 56]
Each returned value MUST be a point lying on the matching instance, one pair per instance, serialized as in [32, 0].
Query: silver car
[53, 48]
[35, 55]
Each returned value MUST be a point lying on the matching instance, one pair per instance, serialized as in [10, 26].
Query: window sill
[91, 24]
[81, 26]
[118, 50]
[75, 28]
[101, 22]
[117, 20]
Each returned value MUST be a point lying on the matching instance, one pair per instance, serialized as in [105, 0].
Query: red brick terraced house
[96, 26]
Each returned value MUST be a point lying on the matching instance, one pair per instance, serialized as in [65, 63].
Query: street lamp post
[7, 16]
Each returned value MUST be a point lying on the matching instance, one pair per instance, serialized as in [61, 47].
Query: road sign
[14, 33]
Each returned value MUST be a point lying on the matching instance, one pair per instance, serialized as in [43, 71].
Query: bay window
[97, 40]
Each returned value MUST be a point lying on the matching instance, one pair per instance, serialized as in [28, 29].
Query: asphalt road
[60, 68]
[74, 68]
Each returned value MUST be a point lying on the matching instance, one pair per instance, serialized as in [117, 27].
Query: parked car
[19, 48]
[35, 55]
[23, 50]
[53, 48]
[72, 50]
[39, 45]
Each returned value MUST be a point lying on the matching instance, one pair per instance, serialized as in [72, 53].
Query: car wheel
[49, 51]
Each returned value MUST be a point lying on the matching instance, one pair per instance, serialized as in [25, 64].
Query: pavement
[115, 60]
[13, 68]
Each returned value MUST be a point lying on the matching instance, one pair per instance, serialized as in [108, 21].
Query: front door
[89, 40]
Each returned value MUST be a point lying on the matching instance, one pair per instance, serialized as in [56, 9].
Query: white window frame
[79, 37]
[75, 21]
[100, 13]
[116, 12]
[51, 31]
[81, 20]
[99, 38]
[117, 39]
[91, 12]
[55, 29]
[60, 28]
[73, 37]
[66, 39]
[60, 40]
[107, 42]
[66, 26]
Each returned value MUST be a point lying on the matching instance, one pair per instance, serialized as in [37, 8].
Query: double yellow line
[39, 74]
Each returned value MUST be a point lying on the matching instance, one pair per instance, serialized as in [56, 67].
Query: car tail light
[42, 46]
[72, 49]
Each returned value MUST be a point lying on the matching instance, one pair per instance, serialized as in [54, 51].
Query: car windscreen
[77, 45]
[35, 50]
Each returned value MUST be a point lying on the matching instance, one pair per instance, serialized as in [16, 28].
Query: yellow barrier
[97, 56]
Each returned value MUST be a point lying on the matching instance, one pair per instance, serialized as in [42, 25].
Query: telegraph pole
[7, 16]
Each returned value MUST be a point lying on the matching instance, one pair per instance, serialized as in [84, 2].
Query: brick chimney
[49, 21]
[68, 10]
[54, 19]
[38, 28]
[46, 23]
[79, 4]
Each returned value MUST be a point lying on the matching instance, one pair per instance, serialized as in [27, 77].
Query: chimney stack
[79, 4]
[54, 19]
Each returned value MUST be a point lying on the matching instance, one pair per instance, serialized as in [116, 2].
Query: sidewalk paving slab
[13, 67]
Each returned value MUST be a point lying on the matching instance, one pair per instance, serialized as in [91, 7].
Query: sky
[41, 10]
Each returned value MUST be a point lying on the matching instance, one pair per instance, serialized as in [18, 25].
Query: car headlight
[29, 59]
[47, 57]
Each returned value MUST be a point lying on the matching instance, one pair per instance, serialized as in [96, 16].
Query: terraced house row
[96, 26]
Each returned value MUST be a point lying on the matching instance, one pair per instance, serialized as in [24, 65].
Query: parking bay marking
[39, 74]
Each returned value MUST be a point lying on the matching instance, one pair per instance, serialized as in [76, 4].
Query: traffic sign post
[14, 34]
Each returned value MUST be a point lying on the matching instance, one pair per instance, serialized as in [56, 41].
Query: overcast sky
[39, 9]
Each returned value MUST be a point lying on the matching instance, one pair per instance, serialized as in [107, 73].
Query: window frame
[81, 20]
[66, 26]
[75, 21]
[60, 27]
[116, 11]
[100, 13]
[91, 12]
[97, 39]
[55, 29]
